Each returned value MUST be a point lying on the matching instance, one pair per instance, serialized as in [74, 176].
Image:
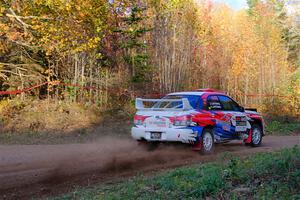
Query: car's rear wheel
[207, 141]
[257, 134]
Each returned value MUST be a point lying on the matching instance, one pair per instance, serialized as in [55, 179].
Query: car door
[235, 113]
[223, 128]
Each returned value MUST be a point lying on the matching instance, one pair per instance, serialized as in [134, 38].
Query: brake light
[184, 120]
[139, 119]
[172, 119]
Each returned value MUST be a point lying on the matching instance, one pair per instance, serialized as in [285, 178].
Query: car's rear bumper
[184, 135]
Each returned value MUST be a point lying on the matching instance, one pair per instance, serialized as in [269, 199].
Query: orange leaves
[240, 52]
[13, 35]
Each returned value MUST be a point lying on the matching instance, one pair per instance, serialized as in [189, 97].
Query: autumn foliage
[127, 48]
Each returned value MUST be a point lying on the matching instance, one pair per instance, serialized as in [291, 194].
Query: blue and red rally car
[201, 118]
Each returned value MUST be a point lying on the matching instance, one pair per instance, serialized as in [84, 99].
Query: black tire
[257, 135]
[207, 141]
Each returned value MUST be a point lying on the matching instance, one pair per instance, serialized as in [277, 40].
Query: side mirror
[242, 109]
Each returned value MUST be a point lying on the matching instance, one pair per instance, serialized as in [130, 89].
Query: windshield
[193, 100]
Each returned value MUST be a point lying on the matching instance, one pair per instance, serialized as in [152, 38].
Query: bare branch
[25, 26]
[23, 44]
[3, 76]
[14, 73]
[27, 17]
[7, 71]
[15, 65]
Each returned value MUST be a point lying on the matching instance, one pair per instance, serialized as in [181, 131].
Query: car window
[213, 103]
[228, 104]
[193, 99]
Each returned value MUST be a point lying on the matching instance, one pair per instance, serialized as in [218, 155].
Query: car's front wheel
[257, 134]
[207, 141]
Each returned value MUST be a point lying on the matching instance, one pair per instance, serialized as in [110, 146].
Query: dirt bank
[44, 170]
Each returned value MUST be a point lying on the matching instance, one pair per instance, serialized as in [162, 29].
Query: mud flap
[249, 138]
[198, 144]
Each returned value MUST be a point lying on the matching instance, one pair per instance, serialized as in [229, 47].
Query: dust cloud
[45, 170]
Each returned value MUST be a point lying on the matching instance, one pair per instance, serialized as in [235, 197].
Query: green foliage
[265, 175]
[251, 5]
[134, 43]
[282, 128]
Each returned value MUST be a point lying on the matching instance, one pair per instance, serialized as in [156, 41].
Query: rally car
[201, 118]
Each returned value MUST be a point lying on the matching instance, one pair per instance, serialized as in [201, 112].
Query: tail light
[139, 119]
[185, 120]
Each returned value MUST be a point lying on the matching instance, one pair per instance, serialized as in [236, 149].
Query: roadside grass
[36, 116]
[279, 127]
[262, 176]
[56, 122]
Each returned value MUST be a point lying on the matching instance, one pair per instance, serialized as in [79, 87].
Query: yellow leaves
[93, 43]
[4, 103]
[244, 46]
[66, 26]
[98, 29]
[97, 39]
[2, 48]
[237, 69]
[68, 6]
[2, 9]
[98, 55]
[78, 7]
[3, 28]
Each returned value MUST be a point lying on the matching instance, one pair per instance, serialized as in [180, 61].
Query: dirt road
[44, 170]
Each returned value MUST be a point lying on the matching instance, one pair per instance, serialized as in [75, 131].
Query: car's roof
[198, 93]
[187, 93]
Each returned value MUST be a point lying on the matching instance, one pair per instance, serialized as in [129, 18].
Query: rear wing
[183, 104]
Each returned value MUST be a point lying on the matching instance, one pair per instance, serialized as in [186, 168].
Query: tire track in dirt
[28, 171]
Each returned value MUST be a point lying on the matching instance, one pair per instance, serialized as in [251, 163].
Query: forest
[71, 70]
[106, 53]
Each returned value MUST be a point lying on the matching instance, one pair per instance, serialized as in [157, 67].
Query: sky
[234, 4]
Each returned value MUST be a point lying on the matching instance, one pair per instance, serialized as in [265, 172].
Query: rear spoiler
[139, 105]
[251, 109]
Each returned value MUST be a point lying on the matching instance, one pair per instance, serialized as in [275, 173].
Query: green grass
[282, 128]
[262, 176]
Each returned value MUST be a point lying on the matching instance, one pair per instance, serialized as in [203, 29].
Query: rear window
[193, 99]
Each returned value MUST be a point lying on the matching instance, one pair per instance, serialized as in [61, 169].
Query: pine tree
[134, 43]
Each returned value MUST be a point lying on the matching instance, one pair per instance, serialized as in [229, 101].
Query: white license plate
[241, 123]
[155, 135]
[240, 128]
